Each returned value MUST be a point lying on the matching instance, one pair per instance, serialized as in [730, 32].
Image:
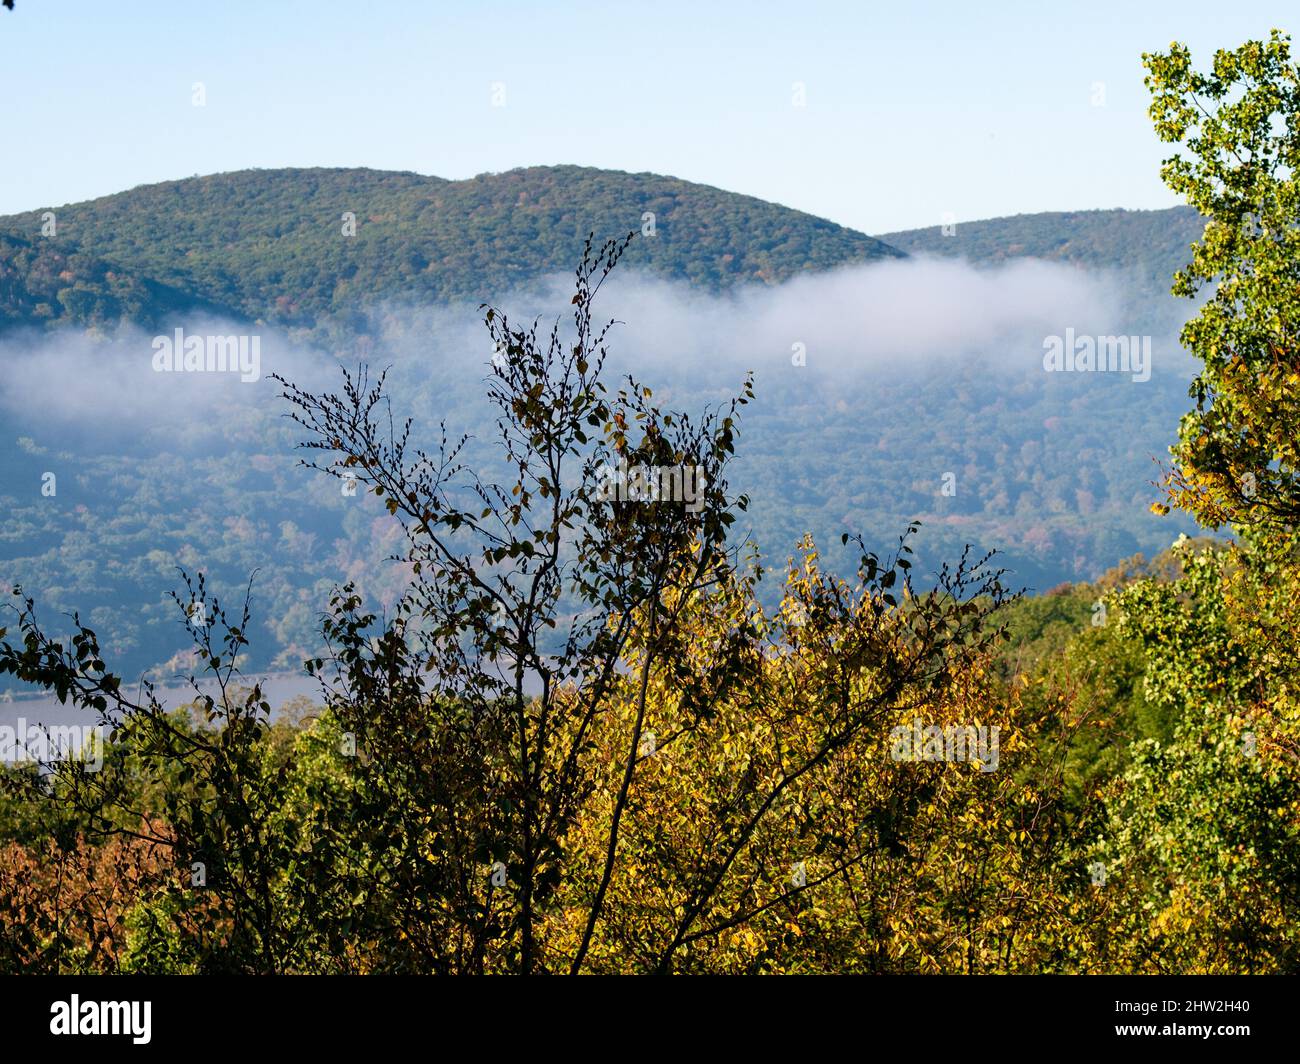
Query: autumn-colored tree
[464, 801]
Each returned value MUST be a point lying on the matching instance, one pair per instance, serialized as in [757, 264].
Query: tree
[1203, 843]
[1236, 461]
[470, 798]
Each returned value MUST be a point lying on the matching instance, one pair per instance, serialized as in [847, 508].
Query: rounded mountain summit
[296, 246]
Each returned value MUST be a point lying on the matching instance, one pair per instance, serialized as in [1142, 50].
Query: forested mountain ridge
[270, 245]
[274, 245]
[1155, 243]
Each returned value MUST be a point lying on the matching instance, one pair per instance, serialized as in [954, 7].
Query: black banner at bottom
[780, 1013]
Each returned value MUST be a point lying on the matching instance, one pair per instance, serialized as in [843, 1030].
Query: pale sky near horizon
[911, 111]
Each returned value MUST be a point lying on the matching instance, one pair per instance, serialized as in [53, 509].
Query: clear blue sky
[912, 109]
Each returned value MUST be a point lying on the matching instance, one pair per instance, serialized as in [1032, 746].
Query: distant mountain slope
[269, 244]
[1152, 243]
[41, 282]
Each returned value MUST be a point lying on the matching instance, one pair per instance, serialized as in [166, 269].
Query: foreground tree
[473, 796]
[1236, 462]
[1203, 843]
[546, 729]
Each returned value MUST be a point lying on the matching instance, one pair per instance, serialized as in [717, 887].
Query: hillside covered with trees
[1155, 242]
[270, 245]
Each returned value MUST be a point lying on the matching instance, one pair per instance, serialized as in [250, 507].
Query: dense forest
[582, 736]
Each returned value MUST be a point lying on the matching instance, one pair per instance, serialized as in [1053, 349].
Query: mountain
[1150, 244]
[269, 244]
[160, 471]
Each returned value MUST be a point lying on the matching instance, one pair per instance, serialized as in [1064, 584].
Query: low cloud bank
[891, 316]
